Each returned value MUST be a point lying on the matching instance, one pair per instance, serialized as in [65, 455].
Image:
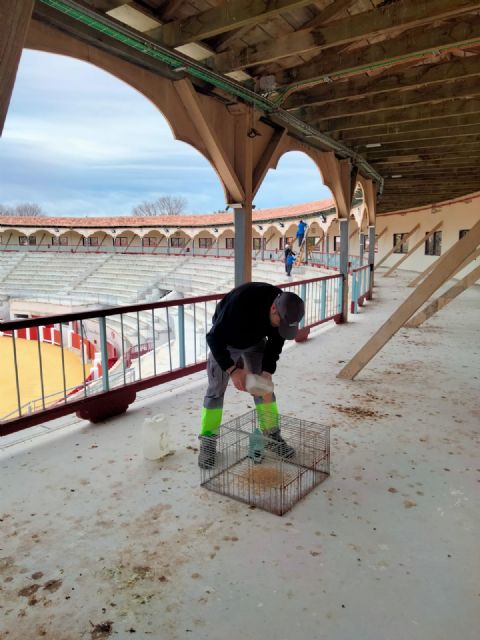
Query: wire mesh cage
[263, 472]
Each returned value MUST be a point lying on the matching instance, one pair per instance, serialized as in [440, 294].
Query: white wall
[454, 216]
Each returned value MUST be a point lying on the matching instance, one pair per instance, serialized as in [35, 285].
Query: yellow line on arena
[29, 373]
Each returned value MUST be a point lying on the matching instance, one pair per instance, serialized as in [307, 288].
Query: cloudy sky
[78, 142]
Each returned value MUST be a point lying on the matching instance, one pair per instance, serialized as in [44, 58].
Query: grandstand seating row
[120, 279]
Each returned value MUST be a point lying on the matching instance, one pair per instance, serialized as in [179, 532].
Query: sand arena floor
[29, 373]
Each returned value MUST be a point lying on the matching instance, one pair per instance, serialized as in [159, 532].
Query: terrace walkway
[98, 542]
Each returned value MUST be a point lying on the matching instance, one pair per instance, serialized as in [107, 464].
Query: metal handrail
[182, 352]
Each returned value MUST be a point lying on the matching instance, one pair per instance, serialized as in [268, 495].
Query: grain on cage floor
[263, 477]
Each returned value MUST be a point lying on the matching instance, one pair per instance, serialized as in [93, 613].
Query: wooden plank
[209, 137]
[361, 26]
[443, 270]
[421, 276]
[462, 88]
[415, 43]
[412, 250]
[421, 76]
[14, 21]
[447, 297]
[462, 106]
[227, 16]
[397, 246]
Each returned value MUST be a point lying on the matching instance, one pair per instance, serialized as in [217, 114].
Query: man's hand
[238, 377]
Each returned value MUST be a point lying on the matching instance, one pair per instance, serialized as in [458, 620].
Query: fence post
[181, 336]
[323, 300]
[104, 353]
[303, 295]
[371, 259]
[344, 266]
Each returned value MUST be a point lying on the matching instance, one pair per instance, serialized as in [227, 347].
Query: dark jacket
[242, 320]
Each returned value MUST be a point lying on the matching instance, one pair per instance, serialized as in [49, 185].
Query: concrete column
[344, 264]
[243, 243]
[371, 258]
[14, 22]
[361, 248]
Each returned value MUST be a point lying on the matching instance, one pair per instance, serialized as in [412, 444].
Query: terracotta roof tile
[216, 219]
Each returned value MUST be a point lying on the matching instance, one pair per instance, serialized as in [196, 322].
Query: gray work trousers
[250, 358]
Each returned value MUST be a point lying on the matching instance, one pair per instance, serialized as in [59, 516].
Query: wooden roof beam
[440, 124]
[391, 117]
[226, 17]
[416, 77]
[463, 88]
[433, 136]
[368, 24]
[416, 43]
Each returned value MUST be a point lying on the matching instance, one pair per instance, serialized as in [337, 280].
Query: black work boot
[277, 444]
[208, 450]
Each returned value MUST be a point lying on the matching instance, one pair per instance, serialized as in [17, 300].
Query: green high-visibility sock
[210, 421]
[267, 413]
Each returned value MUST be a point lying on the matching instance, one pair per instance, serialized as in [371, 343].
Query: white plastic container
[257, 385]
[155, 439]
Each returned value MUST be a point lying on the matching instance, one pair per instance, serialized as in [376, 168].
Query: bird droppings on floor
[97, 542]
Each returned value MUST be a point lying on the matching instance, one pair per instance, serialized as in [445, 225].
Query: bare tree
[163, 206]
[23, 210]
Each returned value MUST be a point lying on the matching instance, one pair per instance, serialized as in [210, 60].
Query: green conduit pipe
[178, 61]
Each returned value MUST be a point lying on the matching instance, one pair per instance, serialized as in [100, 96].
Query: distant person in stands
[290, 263]
[287, 252]
[302, 226]
[250, 326]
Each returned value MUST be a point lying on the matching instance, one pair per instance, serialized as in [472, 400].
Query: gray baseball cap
[291, 310]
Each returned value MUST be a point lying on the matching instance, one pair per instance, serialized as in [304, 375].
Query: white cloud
[77, 141]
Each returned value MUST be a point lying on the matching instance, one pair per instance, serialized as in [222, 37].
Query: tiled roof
[216, 219]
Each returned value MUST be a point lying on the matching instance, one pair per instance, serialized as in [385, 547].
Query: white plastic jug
[257, 385]
[155, 439]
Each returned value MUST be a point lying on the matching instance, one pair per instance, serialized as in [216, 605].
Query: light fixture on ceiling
[397, 175]
[324, 218]
[372, 145]
[282, 225]
[253, 133]
[180, 69]
[260, 228]
[234, 205]
[216, 230]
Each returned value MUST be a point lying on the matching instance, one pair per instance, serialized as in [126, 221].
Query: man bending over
[250, 326]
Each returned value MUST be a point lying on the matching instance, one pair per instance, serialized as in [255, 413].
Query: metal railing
[361, 278]
[123, 364]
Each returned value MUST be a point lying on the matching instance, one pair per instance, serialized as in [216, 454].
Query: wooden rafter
[394, 116]
[440, 125]
[416, 43]
[268, 158]
[408, 14]
[225, 17]
[417, 77]
[207, 132]
[462, 88]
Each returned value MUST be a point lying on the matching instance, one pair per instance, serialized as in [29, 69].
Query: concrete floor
[97, 542]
